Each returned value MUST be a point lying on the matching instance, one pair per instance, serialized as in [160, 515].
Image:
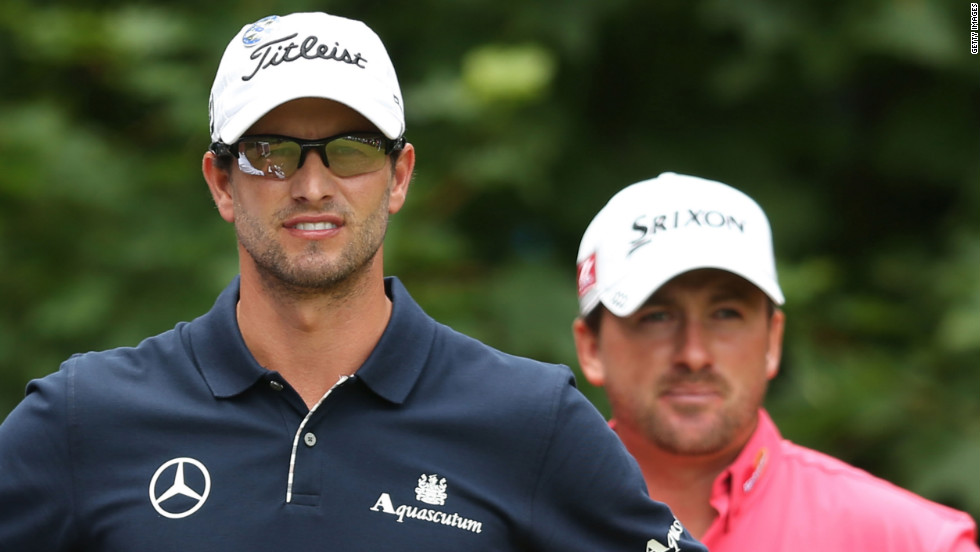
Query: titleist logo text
[275, 53]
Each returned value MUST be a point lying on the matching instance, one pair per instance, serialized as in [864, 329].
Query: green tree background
[854, 124]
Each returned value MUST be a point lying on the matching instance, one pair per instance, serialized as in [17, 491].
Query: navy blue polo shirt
[438, 442]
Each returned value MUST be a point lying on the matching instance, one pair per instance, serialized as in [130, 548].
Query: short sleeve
[591, 494]
[36, 490]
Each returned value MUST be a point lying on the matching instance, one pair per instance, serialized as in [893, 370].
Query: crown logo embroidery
[431, 490]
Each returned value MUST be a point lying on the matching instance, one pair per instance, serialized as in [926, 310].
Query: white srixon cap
[304, 55]
[657, 229]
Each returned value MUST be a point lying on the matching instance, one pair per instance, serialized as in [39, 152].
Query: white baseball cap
[654, 230]
[304, 55]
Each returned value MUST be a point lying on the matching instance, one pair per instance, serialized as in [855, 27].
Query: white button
[309, 439]
[275, 385]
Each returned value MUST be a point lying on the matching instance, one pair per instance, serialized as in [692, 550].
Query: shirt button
[309, 439]
[275, 385]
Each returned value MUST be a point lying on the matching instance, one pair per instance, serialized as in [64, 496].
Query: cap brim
[626, 296]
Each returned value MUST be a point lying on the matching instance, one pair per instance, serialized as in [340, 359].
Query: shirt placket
[305, 477]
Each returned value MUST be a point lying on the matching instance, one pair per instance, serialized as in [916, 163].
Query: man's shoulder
[505, 383]
[109, 385]
[158, 349]
[123, 372]
[851, 488]
[456, 347]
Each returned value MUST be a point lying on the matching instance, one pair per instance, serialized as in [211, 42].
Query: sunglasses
[276, 156]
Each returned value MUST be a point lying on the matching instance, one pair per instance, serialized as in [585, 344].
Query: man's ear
[219, 182]
[587, 347]
[404, 169]
[775, 353]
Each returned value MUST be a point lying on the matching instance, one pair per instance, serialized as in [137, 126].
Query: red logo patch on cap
[586, 275]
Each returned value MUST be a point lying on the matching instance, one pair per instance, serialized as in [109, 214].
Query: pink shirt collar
[780, 496]
[743, 481]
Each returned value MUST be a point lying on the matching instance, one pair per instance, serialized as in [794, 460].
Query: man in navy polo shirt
[316, 406]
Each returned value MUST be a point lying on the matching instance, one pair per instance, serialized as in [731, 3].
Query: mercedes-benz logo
[180, 488]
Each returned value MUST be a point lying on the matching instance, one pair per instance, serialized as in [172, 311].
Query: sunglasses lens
[269, 157]
[353, 155]
[280, 157]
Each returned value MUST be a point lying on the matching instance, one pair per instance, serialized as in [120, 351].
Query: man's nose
[313, 182]
[691, 346]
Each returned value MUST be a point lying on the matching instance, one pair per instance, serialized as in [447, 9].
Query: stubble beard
[680, 441]
[311, 273]
[699, 433]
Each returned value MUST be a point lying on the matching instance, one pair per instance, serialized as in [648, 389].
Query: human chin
[308, 267]
[704, 433]
[319, 267]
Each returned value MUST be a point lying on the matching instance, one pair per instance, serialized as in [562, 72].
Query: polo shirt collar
[396, 363]
[745, 479]
[218, 349]
[391, 370]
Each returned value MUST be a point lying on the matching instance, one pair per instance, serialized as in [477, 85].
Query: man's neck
[683, 482]
[313, 340]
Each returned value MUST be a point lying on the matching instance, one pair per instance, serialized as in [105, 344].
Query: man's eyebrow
[656, 300]
[731, 293]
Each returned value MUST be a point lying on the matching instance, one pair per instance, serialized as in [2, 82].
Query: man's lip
[311, 223]
[690, 392]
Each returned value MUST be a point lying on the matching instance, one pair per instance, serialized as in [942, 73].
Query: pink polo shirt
[779, 496]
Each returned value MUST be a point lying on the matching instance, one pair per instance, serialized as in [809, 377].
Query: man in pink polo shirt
[680, 322]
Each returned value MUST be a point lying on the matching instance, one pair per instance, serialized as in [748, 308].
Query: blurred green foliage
[854, 124]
